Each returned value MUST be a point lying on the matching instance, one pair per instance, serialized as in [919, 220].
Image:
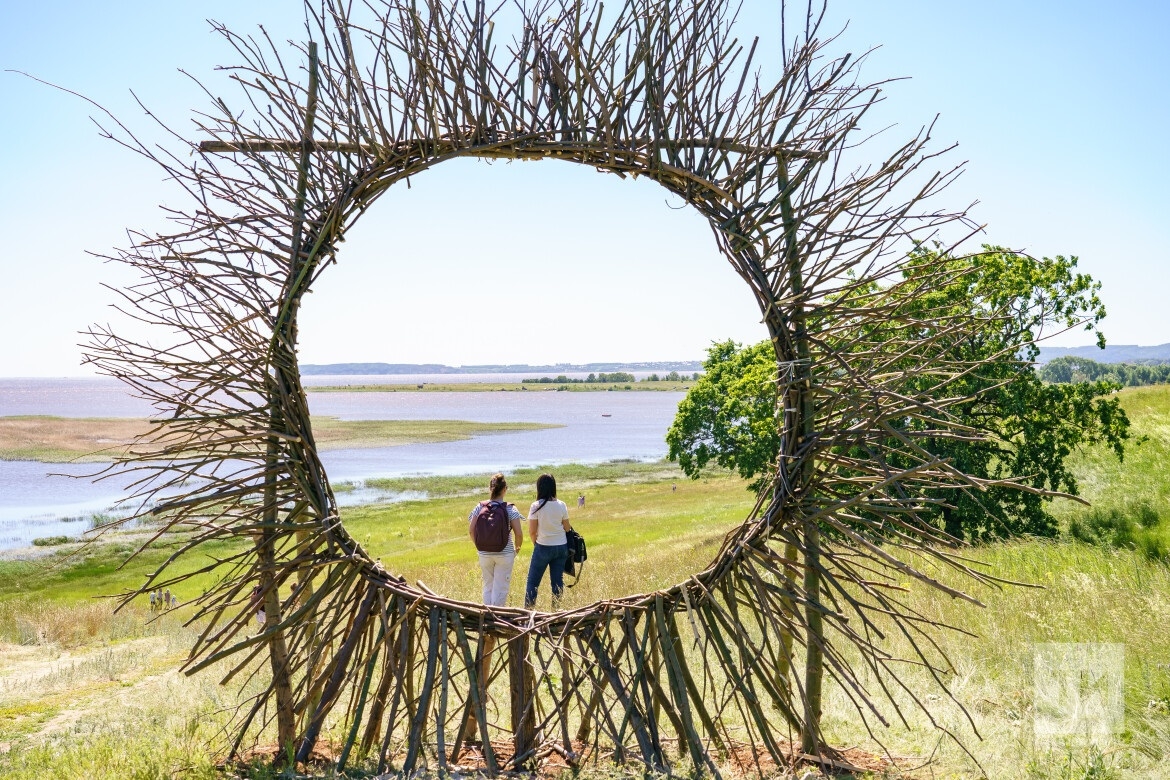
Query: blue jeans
[544, 556]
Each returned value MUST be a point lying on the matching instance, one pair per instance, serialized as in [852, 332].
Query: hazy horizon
[548, 366]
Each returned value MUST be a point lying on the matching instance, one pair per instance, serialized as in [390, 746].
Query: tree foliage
[729, 416]
[1023, 429]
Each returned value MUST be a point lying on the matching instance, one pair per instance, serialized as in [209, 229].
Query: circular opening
[480, 264]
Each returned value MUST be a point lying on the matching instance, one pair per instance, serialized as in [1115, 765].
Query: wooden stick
[523, 690]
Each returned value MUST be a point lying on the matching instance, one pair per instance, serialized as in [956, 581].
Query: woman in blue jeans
[548, 519]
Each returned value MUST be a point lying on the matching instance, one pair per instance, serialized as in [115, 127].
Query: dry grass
[91, 695]
[1089, 595]
[85, 694]
[40, 622]
[93, 439]
[60, 439]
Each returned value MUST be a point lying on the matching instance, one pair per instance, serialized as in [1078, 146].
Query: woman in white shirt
[496, 567]
[548, 519]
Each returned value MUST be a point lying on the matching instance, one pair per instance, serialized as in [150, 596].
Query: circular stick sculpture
[771, 155]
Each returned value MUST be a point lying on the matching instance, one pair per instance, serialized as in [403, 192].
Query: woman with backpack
[494, 527]
[548, 520]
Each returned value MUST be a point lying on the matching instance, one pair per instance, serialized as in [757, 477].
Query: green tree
[729, 416]
[1027, 427]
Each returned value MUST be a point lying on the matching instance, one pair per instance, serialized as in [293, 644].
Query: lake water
[48, 499]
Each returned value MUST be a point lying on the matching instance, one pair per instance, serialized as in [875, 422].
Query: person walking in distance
[256, 604]
[548, 520]
[494, 526]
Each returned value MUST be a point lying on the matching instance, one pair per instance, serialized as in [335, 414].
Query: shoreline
[507, 387]
[380, 492]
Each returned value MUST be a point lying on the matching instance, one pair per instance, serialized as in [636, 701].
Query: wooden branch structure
[804, 592]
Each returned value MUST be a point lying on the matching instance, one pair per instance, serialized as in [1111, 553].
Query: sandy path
[44, 689]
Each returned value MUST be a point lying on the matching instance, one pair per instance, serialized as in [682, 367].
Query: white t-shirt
[550, 532]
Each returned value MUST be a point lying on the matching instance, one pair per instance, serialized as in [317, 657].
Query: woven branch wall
[770, 153]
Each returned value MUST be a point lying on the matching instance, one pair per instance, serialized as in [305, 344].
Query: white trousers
[497, 576]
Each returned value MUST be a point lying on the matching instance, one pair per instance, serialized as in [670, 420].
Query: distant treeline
[673, 376]
[510, 368]
[1078, 369]
[616, 376]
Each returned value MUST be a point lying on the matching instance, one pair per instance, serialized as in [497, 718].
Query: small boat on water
[607, 415]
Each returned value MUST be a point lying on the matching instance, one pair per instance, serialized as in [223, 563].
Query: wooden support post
[586, 728]
[402, 674]
[652, 756]
[645, 677]
[791, 552]
[414, 743]
[408, 670]
[286, 725]
[340, 672]
[484, 649]
[441, 712]
[567, 685]
[814, 664]
[367, 678]
[389, 675]
[280, 352]
[674, 676]
[692, 690]
[654, 665]
[523, 689]
[803, 424]
[478, 701]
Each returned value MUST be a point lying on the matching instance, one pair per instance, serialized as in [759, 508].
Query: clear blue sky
[1061, 108]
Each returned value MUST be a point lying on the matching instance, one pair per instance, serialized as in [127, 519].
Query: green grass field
[86, 694]
[1130, 499]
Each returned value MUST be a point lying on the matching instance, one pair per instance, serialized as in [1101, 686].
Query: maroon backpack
[490, 526]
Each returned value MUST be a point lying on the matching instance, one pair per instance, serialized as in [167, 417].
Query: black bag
[490, 526]
[578, 554]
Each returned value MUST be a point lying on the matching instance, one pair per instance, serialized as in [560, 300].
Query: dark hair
[546, 489]
[498, 485]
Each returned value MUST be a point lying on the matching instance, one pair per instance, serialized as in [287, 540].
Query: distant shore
[390, 369]
[100, 440]
[506, 387]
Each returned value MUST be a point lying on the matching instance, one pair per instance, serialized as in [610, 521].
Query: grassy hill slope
[86, 694]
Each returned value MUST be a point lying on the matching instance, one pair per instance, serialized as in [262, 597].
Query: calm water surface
[39, 499]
